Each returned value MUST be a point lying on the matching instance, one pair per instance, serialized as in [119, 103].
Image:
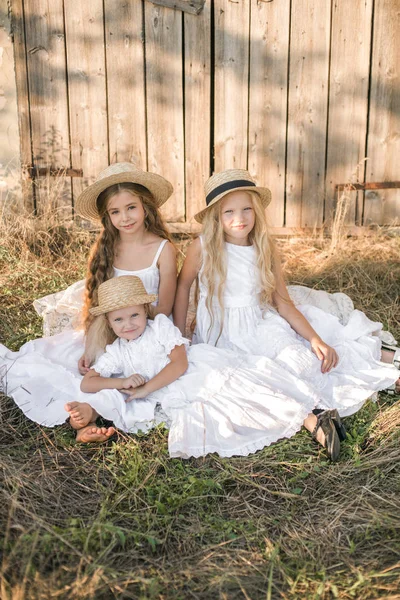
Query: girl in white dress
[212, 399]
[244, 305]
[133, 240]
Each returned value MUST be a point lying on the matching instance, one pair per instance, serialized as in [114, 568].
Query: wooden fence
[300, 92]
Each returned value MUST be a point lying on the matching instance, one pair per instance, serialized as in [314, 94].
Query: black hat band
[225, 187]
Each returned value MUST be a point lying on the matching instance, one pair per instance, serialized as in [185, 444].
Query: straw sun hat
[120, 292]
[86, 203]
[231, 180]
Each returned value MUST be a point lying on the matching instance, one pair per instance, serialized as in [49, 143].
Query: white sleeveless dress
[43, 375]
[225, 403]
[248, 329]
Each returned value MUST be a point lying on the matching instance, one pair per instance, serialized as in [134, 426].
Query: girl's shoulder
[166, 333]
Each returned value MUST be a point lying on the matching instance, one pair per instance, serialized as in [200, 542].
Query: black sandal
[332, 441]
[337, 421]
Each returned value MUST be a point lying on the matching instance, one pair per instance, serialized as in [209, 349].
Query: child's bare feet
[91, 433]
[81, 414]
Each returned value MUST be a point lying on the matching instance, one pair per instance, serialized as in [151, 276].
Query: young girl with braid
[133, 241]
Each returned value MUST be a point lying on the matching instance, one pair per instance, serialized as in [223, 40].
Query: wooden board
[269, 47]
[164, 87]
[383, 146]
[197, 109]
[46, 66]
[87, 89]
[125, 82]
[348, 103]
[307, 118]
[21, 77]
[231, 84]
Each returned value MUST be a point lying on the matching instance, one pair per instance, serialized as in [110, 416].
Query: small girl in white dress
[244, 305]
[212, 399]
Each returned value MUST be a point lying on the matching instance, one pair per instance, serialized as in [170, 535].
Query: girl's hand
[83, 365]
[137, 394]
[133, 381]
[325, 353]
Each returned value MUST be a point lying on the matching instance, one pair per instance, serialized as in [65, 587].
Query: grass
[124, 521]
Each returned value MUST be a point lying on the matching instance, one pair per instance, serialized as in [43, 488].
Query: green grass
[123, 520]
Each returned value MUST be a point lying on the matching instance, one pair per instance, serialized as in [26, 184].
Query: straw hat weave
[86, 203]
[120, 292]
[231, 180]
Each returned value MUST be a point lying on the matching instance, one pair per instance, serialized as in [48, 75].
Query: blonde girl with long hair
[244, 305]
[133, 240]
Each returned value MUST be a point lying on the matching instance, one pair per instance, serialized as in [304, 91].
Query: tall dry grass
[125, 521]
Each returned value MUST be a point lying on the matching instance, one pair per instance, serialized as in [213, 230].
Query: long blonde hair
[101, 260]
[100, 334]
[214, 257]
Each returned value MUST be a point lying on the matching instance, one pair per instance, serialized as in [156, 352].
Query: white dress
[248, 329]
[43, 375]
[224, 403]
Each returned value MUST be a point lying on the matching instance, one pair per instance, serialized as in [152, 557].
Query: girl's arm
[298, 322]
[93, 382]
[167, 375]
[168, 274]
[188, 274]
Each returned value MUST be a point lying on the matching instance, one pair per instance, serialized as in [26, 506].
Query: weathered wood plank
[21, 77]
[308, 77]
[44, 26]
[193, 7]
[231, 84]
[125, 82]
[197, 108]
[87, 89]
[269, 43]
[165, 103]
[348, 102]
[384, 128]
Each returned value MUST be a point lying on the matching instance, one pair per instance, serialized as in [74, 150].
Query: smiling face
[128, 323]
[126, 213]
[237, 217]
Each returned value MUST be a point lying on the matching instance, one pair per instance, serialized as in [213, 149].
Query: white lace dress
[224, 403]
[247, 329]
[43, 375]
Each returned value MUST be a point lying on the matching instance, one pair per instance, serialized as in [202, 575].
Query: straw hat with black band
[86, 203]
[231, 180]
[120, 292]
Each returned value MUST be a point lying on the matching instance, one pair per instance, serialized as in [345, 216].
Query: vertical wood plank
[125, 82]
[87, 89]
[383, 206]
[269, 35]
[44, 26]
[348, 102]
[197, 108]
[231, 84]
[308, 83]
[165, 103]
[21, 77]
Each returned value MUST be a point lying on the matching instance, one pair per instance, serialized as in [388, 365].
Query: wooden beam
[193, 7]
[372, 185]
[34, 172]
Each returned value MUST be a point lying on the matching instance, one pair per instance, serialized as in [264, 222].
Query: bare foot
[81, 414]
[91, 433]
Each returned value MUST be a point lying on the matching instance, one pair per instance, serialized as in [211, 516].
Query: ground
[123, 520]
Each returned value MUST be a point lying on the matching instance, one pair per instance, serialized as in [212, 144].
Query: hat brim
[263, 193]
[158, 186]
[133, 301]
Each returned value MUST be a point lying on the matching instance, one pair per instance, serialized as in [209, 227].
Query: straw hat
[231, 180]
[86, 203]
[119, 292]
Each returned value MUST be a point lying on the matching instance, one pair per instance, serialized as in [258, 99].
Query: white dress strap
[157, 256]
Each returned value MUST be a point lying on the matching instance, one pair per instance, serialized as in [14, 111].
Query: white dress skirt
[247, 329]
